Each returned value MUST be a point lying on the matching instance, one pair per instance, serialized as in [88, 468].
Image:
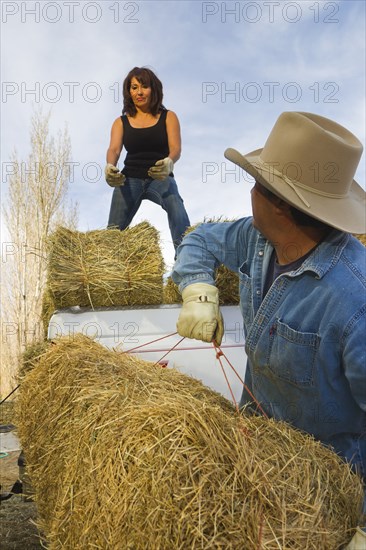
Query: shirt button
[258, 292]
[260, 253]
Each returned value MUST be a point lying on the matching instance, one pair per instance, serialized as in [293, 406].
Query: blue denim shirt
[306, 340]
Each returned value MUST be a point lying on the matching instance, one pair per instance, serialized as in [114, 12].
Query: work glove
[113, 176]
[358, 541]
[200, 316]
[161, 169]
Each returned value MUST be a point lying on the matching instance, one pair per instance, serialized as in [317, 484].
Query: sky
[228, 70]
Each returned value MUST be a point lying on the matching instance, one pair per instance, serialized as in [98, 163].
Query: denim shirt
[306, 340]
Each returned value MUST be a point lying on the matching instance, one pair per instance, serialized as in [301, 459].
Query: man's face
[263, 209]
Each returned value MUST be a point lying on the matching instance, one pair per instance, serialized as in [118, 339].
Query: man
[302, 283]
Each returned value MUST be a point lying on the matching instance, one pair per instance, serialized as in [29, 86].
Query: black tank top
[144, 146]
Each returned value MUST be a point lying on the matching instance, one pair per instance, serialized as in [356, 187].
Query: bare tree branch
[37, 201]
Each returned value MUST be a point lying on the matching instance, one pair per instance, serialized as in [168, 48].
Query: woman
[151, 136]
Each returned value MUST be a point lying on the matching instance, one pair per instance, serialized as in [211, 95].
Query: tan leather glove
[113, 176]
[358, 541]
[200, 317]
[161, 169]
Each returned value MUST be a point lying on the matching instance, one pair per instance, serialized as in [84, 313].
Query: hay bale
[105, 267]
[361, 238]
[171, 294]
[48, 309]
[31, 356]
[227, 283]
[125, 454]
[226, 280]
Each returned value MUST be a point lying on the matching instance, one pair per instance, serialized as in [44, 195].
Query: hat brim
[346, 213]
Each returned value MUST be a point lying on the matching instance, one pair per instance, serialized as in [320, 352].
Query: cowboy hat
[310, 161]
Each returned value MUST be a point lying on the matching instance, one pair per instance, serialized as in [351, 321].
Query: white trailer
[150, 331]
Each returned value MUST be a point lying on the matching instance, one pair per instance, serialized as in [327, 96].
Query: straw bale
[48, 309]
[124, 454]
[105, 267]
[171, 294]
[361, 238]
[226, 280]
[30, 357]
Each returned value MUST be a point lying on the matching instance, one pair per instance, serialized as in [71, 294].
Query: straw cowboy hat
[310, 161]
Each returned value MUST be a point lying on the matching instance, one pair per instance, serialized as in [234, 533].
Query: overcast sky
[228, 70]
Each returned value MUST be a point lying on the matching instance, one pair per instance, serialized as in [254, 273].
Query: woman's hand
[113, 176]
[161, 169]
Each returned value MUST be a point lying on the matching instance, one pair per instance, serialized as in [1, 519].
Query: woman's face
[140, 94]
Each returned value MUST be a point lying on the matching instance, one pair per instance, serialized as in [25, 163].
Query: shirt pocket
[291, 354]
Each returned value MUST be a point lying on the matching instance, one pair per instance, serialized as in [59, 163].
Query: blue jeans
[126, 201]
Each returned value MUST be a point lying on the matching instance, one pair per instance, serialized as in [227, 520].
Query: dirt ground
[17, 530]
[17, 516]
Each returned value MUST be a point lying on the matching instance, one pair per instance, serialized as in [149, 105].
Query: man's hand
[161, 169]
[358, 541]
[113, 176]
[200, 317]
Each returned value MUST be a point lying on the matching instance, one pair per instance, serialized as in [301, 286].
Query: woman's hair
[147, 78]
